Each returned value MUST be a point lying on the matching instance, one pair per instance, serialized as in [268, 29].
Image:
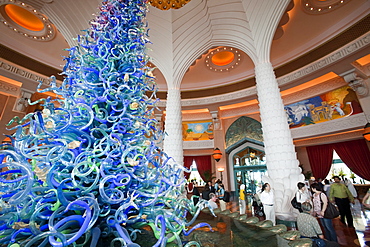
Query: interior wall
[7, 113]
[303, 158]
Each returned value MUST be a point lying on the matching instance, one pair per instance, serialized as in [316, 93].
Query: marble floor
[347, 237]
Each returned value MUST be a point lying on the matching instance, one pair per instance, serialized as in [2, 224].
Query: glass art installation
[87, 167]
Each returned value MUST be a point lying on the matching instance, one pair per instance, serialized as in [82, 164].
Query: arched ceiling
[183, 38]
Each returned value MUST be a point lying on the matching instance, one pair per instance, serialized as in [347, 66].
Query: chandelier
[165, 4]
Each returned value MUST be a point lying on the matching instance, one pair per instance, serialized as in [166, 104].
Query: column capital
[357, 83]
[216, 120]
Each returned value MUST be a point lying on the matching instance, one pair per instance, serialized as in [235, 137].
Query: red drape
[203, 165]
[188, 160]
[321, 158]
[356, 155]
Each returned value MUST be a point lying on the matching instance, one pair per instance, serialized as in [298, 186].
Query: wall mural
[338, 103]
[197, 130]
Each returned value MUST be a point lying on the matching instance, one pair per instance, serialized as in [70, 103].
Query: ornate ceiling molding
[313, 91]
[198, 116]
[328, 60]
[344, 136]
[198, 144]
[337, 125]
[7, 88]
[23, 73]
[289, 99]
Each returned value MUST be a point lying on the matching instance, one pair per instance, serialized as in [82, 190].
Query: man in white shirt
[267, 198]
[212, 200]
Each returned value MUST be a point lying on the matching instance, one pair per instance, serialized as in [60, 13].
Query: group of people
[314, 206]
[214, 194]
[314, 201]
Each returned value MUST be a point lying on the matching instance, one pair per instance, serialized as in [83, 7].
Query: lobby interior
[206, 51]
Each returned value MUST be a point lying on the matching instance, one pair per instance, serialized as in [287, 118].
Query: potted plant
[208, 176]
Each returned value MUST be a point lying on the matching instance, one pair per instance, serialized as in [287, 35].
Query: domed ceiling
[42, 30]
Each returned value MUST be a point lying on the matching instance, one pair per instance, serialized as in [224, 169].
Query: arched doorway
[246, 154]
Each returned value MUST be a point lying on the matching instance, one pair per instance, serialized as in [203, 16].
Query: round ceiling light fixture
[168, 4]
[321, 6]
[26, 20]
[223, 59]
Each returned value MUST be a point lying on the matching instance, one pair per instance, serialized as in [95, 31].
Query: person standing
[242, 203]
[196, 195]
[342, 197]
[267, 198]
[320, 203]
[220, 195]
[210, 186]
[206, 192]
[327, 187]
[218, 181]
[302, 194]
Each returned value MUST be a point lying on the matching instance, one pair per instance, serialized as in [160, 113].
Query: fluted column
[281, 160]
[173, 126]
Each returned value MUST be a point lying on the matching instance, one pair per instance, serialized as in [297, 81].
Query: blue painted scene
[338, 103]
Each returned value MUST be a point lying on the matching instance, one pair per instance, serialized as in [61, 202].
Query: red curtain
[356, 155]
[204, 166]
[188, 160]
[321, 158]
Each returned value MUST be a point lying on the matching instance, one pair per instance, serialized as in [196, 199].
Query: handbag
[295, 204]
[331, 211]
[318, 242]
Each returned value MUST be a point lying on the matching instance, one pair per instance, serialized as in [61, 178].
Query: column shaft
[173, 126]
[281, 160]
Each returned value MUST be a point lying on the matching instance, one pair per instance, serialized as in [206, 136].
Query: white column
[281, 160]
[173, 126]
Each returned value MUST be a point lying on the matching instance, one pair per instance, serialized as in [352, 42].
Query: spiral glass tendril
[88, 165]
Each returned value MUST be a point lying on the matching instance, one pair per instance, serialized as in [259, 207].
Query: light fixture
[221, 170]
[24, 19]
[217, 154]
[222, 58]
[366, 134]
[166, 5]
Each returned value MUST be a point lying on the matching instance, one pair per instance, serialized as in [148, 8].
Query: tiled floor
[348, 237]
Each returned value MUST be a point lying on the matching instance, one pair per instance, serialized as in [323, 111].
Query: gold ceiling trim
[166, 5]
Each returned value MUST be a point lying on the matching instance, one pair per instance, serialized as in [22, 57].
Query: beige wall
[6, 108]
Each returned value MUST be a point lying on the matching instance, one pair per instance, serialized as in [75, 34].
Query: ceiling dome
[24, 19]
[223, 59]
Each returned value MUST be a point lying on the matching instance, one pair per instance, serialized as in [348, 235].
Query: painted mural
[197, 130]
[338, 103]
